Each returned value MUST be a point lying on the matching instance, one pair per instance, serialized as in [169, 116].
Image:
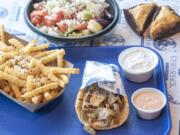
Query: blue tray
[59, 117]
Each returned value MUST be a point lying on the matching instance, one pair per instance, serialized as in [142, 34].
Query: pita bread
[122, 117]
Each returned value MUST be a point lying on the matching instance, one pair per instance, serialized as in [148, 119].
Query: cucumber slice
[46, 31]
[85, 32]
[71, 27]
[74, 34]
[86, 16]
[94, 26]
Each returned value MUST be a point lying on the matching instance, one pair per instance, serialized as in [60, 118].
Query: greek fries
[14, 42]
[49, 58]
[57, 70]
[12, 79]
[29, 72]
[60, 56]
[2, 34]
[29, 83]
[29, 47]
[40, 90]
[47, 96]
[16, 90]
[39, 48]
[37, 99]
[15, 73]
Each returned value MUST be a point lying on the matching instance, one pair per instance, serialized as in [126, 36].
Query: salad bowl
[113, 9]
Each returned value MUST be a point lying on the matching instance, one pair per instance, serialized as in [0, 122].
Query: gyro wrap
[101, 101]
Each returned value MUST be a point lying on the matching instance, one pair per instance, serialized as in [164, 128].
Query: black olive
[102, 21]
[107, 15]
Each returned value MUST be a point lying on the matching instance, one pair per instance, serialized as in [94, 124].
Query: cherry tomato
[40, 13]
[53, 19]
[60, 15]
[62, 27]
[57, 16]
[81, 26]
[36, 20]
[37, 16]
[49, 22]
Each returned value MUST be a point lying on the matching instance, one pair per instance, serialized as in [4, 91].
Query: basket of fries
[30, 74]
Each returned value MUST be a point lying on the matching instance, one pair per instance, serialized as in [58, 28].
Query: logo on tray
[112, 39]
[15, 32]
[172, 80]
[173, 99]
[3, 12]
[165, 44]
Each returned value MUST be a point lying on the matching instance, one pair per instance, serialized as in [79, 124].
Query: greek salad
[71, 18]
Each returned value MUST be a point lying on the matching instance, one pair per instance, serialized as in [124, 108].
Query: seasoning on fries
[31, 73]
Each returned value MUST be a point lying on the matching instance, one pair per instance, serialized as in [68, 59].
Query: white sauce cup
[148, 114]
[132, 75]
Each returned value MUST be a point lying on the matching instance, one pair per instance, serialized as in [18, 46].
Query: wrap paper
[106, 76]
